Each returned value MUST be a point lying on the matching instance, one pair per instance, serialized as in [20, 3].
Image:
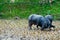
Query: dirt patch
[18, 30]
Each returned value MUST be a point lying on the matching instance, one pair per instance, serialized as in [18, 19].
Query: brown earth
[18, 30]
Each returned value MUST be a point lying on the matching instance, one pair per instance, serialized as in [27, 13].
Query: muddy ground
[18, 30]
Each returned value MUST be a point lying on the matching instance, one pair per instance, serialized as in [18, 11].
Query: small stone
[16, 18]
[59, 31]
[9, 38]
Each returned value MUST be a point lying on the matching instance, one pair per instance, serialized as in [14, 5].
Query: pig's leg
[42, 28]
[30, 25]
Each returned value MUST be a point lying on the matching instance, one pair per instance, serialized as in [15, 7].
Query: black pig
[50, 18]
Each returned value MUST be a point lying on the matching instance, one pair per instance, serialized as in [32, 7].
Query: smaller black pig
[50, 18]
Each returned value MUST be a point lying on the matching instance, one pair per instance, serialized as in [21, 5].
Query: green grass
[10, 10]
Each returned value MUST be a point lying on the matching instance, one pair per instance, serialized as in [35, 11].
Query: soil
[18, 30]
